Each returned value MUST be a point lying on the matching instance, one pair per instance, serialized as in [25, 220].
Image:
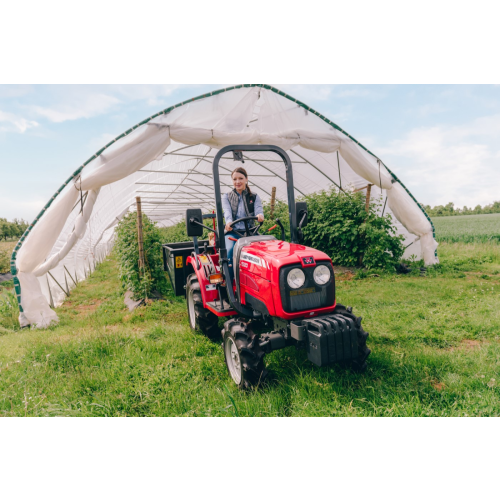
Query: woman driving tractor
[239, 203]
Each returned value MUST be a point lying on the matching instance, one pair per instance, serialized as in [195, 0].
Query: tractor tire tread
[206, 321]
[251, 355]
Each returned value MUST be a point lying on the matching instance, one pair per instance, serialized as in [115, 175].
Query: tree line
[14, 229]
[450, 209]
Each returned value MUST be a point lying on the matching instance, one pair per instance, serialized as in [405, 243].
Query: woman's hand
[260, 218]
[229, 228]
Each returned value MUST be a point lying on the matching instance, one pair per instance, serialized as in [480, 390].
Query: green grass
[468, 228]
[434, 339]
[6, 249]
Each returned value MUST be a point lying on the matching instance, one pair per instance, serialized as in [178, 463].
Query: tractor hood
[265, 258]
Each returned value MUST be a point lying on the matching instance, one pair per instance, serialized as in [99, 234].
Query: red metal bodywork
[260, 264]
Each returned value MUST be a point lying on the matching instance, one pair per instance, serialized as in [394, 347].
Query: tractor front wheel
[244, 357]
[200, 318]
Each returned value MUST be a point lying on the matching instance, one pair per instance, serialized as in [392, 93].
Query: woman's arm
[258, 210]
[228, 214]
[226, 208]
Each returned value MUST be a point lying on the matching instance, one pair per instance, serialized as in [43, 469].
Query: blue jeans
[230, 247]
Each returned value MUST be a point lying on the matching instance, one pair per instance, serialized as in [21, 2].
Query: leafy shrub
[280, 212]
[128, 256]
[340, 227]
[177, 232]
[4, 261]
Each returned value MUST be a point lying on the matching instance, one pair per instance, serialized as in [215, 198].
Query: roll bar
[289, 185]
[238, 149]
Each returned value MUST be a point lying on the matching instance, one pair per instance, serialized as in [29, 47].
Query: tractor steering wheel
[248, 231]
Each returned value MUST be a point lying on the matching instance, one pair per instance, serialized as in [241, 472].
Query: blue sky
[441, 140]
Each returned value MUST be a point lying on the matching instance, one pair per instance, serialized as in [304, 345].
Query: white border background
[272, 41]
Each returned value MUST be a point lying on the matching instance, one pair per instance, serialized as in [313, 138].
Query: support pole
[139, 235]
[57, 283]
[50, 293]
[368, 194]
[70, 274]
[273, 200]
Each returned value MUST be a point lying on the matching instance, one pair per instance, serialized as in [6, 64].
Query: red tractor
[285, 288]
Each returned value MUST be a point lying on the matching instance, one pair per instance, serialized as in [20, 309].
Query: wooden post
[139, 234]
[368, 194]
[273, 199]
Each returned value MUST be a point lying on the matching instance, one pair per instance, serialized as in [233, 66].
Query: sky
[442, 141]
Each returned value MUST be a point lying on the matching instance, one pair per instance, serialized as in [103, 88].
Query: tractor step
[225, 310]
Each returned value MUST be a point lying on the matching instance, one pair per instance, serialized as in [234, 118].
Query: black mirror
[301, 211]
[193, 216]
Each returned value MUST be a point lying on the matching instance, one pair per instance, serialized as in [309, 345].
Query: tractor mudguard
[203, 267]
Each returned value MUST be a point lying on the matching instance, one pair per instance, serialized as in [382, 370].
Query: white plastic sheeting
[168, 162]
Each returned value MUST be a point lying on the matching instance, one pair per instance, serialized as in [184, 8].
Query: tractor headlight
[296, 278]
[322, 275]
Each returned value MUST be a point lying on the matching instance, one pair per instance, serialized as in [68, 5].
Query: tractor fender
[203, 267]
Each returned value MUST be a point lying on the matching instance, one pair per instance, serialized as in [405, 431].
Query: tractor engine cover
[331, 338]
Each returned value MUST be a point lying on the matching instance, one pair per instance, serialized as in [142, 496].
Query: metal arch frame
[317, 168]
[166, 112]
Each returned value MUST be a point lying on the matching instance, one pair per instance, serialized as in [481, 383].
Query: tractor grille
[309, 296]
[313, 300]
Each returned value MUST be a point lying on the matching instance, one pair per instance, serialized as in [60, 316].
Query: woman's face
[239, 181]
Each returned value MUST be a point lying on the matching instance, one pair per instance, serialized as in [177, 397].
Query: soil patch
[439, 386]
[469, 344]
[344, 273]
[84, 308]
[5, 277]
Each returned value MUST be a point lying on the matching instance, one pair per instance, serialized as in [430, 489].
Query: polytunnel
[167, 159]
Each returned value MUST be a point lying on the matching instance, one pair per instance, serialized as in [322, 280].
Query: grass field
[468, 228]
[6, 248]
[434, 339]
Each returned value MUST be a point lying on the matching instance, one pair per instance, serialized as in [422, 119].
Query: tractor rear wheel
[244, 357]
[200, 318]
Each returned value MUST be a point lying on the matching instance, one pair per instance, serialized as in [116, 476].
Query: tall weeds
[9, 312]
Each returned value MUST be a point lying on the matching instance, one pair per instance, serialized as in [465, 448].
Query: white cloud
[86, 101]
[81, 106]
[442, 164]
[152, 94]
[10, 122]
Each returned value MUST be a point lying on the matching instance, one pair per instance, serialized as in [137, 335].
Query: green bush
[128, 256]
[4, 261]
[340, 227]
[280, 212]
[177, 232]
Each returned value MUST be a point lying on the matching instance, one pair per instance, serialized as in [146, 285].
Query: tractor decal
[253, 259]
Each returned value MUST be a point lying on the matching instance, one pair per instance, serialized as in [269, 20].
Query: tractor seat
[238, 247]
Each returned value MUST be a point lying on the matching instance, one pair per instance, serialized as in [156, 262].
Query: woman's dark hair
[241, 170]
